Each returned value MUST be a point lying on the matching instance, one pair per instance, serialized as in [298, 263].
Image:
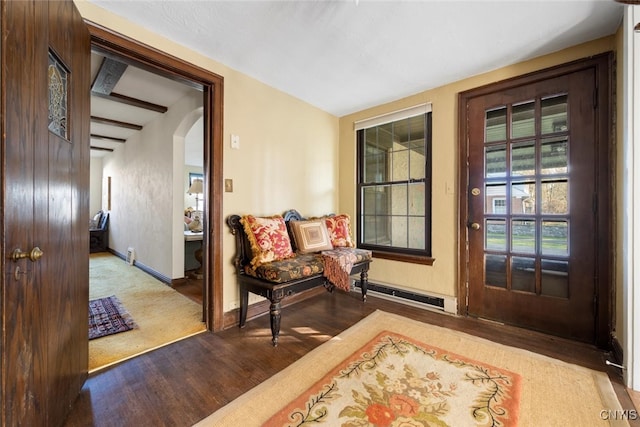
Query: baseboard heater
[433, 302]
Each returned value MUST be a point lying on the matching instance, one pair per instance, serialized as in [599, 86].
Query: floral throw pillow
[268, 238]
[339, 227]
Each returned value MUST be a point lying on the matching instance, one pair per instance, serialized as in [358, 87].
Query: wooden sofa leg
[244, 302]
[364, 283]
[275, 312]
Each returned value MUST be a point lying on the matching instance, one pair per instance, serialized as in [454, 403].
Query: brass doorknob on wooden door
[474, 226]
[34, 255]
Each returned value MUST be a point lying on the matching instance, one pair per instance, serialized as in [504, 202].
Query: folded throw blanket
[337, 266]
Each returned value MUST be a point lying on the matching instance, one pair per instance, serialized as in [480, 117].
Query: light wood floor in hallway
[182, 383]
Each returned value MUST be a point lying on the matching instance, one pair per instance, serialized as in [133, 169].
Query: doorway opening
[129, 51]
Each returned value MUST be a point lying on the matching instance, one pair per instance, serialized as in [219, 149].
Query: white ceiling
[345, 56]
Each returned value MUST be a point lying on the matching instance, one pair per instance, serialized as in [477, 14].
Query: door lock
[35, 254]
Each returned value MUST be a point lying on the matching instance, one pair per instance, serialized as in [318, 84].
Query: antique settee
[279, 256]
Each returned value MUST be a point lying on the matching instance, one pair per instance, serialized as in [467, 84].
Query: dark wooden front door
[45, 205]
[534, 238]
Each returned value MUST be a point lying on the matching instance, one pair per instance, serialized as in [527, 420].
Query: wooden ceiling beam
[117, 123]
[123, 99]
[108, 138]
[93, 147]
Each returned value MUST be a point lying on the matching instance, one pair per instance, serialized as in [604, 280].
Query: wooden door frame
[603, 66]
[213, 85]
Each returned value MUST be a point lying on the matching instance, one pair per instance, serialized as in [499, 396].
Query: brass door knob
[474, 226]
[34, 255]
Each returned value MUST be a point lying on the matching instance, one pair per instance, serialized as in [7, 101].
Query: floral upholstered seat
[298, 267]
[288, 269]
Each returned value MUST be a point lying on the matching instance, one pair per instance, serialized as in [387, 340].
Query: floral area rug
[395, 380]
[107, 316]
[388, 370]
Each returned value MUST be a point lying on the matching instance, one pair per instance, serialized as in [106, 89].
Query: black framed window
[394, 188]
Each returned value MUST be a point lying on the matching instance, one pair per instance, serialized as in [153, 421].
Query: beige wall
[288, 149]
[95, 180]
[441, 278]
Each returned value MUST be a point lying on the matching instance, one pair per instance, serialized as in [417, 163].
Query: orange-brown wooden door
[532, 196]
[45, 170]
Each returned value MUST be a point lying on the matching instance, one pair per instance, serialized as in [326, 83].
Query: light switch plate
[448, 187]
[235, 142]
[228, 185]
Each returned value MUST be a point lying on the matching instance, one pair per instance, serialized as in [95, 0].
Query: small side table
[190, 236]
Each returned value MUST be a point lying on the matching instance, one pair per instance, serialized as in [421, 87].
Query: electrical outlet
[131, 255]
[228, 185]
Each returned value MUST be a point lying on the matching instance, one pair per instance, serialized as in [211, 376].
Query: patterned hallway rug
[388, 370]
[107, 316]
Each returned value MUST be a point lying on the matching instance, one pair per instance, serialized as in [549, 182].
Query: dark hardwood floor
[182, 383]
[191, 288]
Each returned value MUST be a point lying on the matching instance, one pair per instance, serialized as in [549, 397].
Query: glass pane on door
[555, 238]
[523, 274]
[555, 197]
[555, 278]
[523, 158]
[554, 115]
[523, 120]
[496, 235]
[554, 155]
[496, 160]
[496, 125]
[495, 267]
